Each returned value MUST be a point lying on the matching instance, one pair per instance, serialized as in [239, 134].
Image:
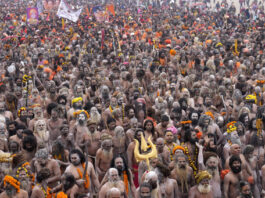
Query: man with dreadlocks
[44, 161]
[29, 146]
[183, 174]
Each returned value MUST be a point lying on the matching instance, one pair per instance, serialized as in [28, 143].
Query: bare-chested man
[114, 181]
[163, 152]
[183, 174]
[12, 188]
[41, 133]
[95, 138]
[38, 114]
[119, 141]
[54, 124]
[232, 179]
[4, 114]
[203, 189]
[246, 170]
[77, 168]
[81, 133]
[168, 187]
[131, 131]
[3, 138]
[41, 189]
[103, 157]
[29, 146]
[132, 163]
[43, 161]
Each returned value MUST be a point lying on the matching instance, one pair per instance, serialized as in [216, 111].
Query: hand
[199, 146]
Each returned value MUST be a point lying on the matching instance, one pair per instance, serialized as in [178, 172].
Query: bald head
[235, 149]
[114, 193]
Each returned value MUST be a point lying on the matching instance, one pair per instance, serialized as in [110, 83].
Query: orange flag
[111, 9]
[87, 12]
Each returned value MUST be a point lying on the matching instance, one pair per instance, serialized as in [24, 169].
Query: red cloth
[135, 173]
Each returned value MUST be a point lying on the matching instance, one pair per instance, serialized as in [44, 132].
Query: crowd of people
[161, 100]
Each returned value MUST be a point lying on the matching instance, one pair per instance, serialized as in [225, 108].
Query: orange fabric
[81, 177]
[199, 135]
[87, 12]
[224, 173]
[126, 182]
[111, 8]
[162, 61]
[61, 195]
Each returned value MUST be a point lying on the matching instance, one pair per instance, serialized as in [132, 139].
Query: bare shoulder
[24, 193]
[99, 151]
[131, 145]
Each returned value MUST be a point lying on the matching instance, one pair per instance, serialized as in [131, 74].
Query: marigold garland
[192, 162]
[81, 177]
[186, 122]
[47, 192]
[81, 111]
[12, 181]
[126, 183]
[261, 81]
[61, 195]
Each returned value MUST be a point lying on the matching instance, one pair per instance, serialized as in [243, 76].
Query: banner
[67, 12]
[32, 15]
[100, 14]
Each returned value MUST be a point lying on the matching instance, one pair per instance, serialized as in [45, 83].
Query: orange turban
[178, 148]
[172, 52]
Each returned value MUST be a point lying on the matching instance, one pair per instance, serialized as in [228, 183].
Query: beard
[24, 184]
[246, 195]
[29, 149]
[81, 122]
[11, 191]
[194, 122]
[212, 170]
[107, 154]
[114, 183]
[153, 184]
[120, 169]
[193, 140]
[236, 169]
[204, 189]
[42, 134]
[95, 117]
[182, 173]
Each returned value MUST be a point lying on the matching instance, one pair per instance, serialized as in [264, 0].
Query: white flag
[66, 12]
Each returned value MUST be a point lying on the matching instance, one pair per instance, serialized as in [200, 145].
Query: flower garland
[81, 176]
[192, 162]
[22, 168]
[171, 151]
[12, 181]
[229, 142]
[47, 192]
[126, 183]
[61, 195]
[186, 122]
